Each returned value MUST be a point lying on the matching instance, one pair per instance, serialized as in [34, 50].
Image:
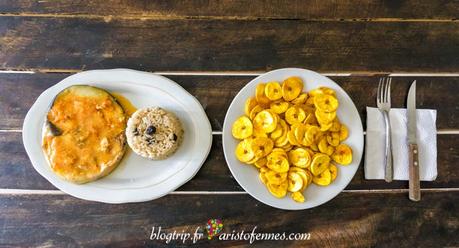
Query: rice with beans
[154, 133]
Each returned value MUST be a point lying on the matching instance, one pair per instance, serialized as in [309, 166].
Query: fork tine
[378, 95]
[388, 90]
[383, 90]
[386, 83]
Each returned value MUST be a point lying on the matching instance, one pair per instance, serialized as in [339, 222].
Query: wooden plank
[351, 219]
[16, 171]
[19, 91]
[191, 45]
[276, 9]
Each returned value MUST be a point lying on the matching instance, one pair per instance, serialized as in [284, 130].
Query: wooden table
[213, 48]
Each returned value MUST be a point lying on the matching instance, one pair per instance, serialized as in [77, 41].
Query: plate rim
[225, 124]
[185, 174]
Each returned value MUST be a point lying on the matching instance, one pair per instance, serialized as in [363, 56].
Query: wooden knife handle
[414, 184]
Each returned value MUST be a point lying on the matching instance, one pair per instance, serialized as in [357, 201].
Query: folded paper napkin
[426, 138]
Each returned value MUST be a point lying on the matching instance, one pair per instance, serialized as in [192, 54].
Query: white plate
[247, 176]
[135, 179]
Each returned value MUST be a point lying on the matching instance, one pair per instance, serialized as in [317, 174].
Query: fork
[383, 102]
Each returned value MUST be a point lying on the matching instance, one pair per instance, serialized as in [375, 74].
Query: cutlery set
[383, 101]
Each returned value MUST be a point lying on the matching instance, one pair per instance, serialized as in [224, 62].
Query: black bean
[175, 137]
[150, 130]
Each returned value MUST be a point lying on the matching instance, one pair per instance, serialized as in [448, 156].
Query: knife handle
[414, 184]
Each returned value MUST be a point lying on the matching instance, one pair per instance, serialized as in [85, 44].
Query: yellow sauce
[128, 107]
[92, 139]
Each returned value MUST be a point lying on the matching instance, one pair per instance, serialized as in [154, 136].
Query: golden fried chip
[295, 115]
[301, 99]
[314, 147]
[297, 196]
[259, 133]
[310, 176]
[291, 88]
[277, 132]
[282, 141]
[324, 147]
[280, 152]
[273, 91]
[312, 134]
[333, 171]
[257, 109]
[287, 147]
[300, 131]
[336, 126]
[263, 178]
[300, 157]
[326, 103]
[250, 103]
[342, 154]
[266, 121]
[343, 133]
[274, 177]
[324, 117]
[277, 163]
[260, 163]
[244, 151]
[291, 138]
[323, 179]
[319, 163]
[322, 90]
[278, 190]
[325, 127]
[262, 146]
[304, 175]
[333, 139]
[260, 95]
[295, 182]
[310, 101]
[242, 128]
[279, 107]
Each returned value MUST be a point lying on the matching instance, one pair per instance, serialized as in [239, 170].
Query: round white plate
[135, 179]
[247, 176]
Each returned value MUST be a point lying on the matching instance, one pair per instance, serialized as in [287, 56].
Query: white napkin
[426, 138]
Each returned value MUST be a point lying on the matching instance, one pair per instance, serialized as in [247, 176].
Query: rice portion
[154, 133]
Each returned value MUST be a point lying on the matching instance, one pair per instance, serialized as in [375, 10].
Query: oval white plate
[135, 179]
[247, 176]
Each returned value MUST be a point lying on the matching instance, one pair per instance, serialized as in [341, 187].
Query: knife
[414, 185]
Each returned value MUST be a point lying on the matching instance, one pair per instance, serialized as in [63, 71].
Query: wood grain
[16, 171]
[273, 9]
[357, 220]
[227, 45]
[19, 91]
[231, 35]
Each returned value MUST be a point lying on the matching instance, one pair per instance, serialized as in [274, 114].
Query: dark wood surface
[209, 43]
[255, 9]
[351, 219]
[201, 44]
